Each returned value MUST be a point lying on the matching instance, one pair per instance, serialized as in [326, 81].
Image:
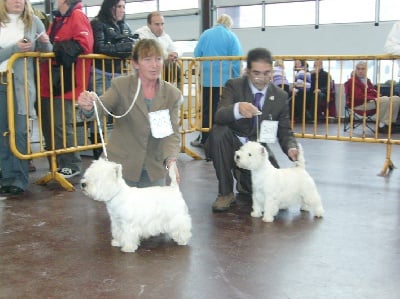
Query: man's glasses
[258, 74]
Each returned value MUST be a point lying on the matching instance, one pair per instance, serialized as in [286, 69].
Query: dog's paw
[268, 219]
[255, 214]
[129, 248]
[115, 243]
[305, 209]
[319, 213]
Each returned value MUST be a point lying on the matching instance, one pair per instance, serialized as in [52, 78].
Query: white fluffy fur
[137, 213]
[275, 189]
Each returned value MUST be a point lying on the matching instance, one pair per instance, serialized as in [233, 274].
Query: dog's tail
[174, 175]
[301, 162]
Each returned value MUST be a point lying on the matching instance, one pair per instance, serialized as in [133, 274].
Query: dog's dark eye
[249, 154]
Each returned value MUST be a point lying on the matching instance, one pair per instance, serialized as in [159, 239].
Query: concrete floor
[56, 244]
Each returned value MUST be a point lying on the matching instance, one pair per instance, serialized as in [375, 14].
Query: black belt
[3, 77]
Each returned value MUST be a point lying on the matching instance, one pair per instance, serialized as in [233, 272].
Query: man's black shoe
[385, 129]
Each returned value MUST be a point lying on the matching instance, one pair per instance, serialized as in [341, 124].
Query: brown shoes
[223, 202]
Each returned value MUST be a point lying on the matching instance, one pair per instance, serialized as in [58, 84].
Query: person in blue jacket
[216, 41]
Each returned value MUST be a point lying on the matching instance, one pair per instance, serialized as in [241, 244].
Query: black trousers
[209, 92]
[220, 148]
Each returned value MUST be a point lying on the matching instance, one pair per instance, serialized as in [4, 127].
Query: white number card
[268, 131]
[160, 123]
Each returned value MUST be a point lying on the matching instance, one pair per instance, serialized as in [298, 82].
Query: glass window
[295, 13]
[142, 6]
[186, 48]
[345, 11]
[178, 4]
[243, 16]
[92, 11]
[389, 10]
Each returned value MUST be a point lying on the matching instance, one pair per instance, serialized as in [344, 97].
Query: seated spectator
[301, 85]
[366, 98]
[279, 77]
[320, 81]
[392, 44]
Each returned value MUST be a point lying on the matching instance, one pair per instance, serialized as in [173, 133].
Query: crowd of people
[144, 107]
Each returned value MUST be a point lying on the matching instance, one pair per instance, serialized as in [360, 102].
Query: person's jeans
[15, 171]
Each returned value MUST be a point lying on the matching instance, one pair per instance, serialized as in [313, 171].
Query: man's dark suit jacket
[275, 107]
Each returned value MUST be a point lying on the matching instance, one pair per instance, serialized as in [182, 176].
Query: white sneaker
[68, 172]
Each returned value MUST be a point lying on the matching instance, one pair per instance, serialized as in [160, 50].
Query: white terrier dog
[275, 189]
[138, 213]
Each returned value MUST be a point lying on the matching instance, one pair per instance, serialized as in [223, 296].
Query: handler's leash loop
[100, 130]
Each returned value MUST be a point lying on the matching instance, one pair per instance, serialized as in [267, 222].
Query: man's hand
[247, 110]
[173, 56]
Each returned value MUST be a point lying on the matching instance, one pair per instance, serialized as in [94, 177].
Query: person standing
[236, 123]
[216, 41]
[392, 44]
[71, 35]
[146, 139]
[155, 30]
[112, 37]
[21, 31]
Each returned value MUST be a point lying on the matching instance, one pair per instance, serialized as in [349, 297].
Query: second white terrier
[137, 213]
[274, 188]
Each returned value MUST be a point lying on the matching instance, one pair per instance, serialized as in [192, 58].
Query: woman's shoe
[5, 190]
[14, 190]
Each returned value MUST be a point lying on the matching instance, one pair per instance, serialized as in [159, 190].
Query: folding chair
[355, 118]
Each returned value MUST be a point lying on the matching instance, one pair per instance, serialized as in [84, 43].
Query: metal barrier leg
[188, 151]
[388, 166]
[54, 175]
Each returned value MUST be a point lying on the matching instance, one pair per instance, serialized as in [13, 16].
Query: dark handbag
[57, 82]
[67, 52]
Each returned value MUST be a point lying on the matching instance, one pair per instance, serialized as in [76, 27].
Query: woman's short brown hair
[146, 48]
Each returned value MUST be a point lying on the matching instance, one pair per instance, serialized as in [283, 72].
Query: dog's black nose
[83, 185]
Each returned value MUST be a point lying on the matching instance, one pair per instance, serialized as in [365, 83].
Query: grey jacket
[131, 143]
[19, 69]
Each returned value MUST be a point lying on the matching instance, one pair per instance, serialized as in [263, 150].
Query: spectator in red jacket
[361, 90]
[71, 35]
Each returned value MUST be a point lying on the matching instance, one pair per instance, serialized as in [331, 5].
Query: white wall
[339, 39]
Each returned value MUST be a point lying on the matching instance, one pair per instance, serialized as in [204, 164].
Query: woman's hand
[24, 45]
[85, 100]
[43, 37]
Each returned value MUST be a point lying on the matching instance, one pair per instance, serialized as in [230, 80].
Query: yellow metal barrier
[188, 79]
